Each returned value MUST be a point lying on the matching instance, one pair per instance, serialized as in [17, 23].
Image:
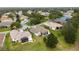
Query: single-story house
[61, 20]
[5, 24]
[23, 22]
[22, 17]
[20, 36]
[5, 21]
[39, 30]
[45, 13]
[29, 11]
[2, 38]
[69, 13]
[54, 25]
[19, 13]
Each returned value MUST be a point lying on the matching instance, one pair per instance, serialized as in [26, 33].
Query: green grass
[4, 29]
[77, 35]
[37, 44]
[7, 42]
[62, 44]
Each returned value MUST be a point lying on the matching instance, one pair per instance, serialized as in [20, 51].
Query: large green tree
[36, 19]
[51, 41]
[33, 21]
[69, 33]
[15, 25]
[55, 14]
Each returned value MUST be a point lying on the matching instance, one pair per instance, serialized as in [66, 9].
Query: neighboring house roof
[2, 37]
[5, 17]
[54, 25]
[23, 22]
[6, 23]
[5, 20]
[17, 35]
[29, 11]
[38, 29]
[22, 17]
[61, 20]
[45, 13]
[20, 13]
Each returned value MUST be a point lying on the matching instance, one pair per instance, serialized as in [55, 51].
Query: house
[2, 38]
[23, 24]
[20, 36]
[39, 30]
[5, 24]
[61, 20]
[69, 14]
[53, 25]
[29, 12]
[39, 12]
[22, 17]
[5, 18]
[5, 21]
[20, 13]
[45, 13]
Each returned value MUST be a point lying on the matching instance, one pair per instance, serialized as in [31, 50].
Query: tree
[55, 14]
[69, 33]
[75, 20]
[18, 18]
[15, 25]
[51, 41]
[33, 21]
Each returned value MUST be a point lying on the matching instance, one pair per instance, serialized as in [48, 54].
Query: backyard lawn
[62, 44]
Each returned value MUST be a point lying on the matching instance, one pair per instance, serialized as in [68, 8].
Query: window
[24, 39]
[57, 27]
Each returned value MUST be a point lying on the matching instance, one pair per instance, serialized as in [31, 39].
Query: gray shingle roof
[5, 24]
[38, 29]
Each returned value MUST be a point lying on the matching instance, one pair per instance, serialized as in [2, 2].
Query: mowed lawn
[62, 45]
[37, 44]
[4, 29]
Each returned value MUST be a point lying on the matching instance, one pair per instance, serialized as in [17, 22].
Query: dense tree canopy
[15, 25]
[69, 33]
[33, 21]
[51, 41]
[55, 14]
[36, 19]
[75, 20]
